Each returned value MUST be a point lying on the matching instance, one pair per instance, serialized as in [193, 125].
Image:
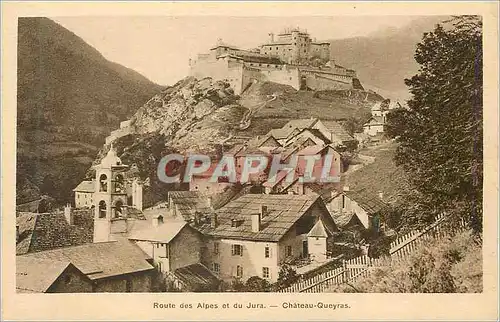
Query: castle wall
[319, 82]
[118, 133]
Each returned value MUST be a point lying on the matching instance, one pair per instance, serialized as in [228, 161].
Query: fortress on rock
[291, 58]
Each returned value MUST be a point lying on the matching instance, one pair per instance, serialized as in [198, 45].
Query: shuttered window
[237, 250]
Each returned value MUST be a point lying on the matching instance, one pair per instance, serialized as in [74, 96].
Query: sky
[160, 47]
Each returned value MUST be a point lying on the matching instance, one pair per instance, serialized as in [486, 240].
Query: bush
[448, 265]
[257, 284]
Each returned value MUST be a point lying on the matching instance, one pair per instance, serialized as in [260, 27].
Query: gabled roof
[345, 219]
[301, 123]
[99, 260]
[319, 230]
[163, 233]
[371, 204]
[375, 120]
[317, 133]
[35, 275]
[314, 149]
[86, 186]
[187, 203]
[196, 274]
[338, 130]
[38, 232]
[282, 213]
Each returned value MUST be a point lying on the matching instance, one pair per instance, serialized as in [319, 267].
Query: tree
[440, 134]
[257, 284]
[287, 276]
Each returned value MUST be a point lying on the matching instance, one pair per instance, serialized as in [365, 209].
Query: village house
[36, 275]
[257, 233]
[171, 244]
[44, 231]
[376, 124]
[118, 266]
[176, 248]
[313, 132]
[365, 206]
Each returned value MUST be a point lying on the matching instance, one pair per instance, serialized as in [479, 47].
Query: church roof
[86, 186]
[111, 159]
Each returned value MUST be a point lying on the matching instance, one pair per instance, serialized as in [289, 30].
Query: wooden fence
[360, 266]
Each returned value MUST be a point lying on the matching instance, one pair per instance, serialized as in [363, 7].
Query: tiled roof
[282, 213]
[314, 149]
[301, 123]
[338, 130]
[163, 233]
[281, 133]
[99, 260]
[196, 274]
[85, 186]
[37, 275]
[26, 221]
[188, 203]
[371, 204]
[38, 232]
[345, 219]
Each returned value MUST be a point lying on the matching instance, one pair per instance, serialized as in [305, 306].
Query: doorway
[305, 251]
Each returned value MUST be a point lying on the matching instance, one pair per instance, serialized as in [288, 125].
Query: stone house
[171, 244]
[36, 275]
[366, 207]
[117, 266]
[257, 233]
[38, 232]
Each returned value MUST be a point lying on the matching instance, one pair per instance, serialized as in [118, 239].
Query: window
[239, 271]
[102, 209]
[128, 285]
[216, 267]
[265, 272]
[67, 279]
[103, 184]
[216, 248]
[267, 252]
[237, 250]
[288, 250]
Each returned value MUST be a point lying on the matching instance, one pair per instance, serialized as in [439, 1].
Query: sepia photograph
[327, 154]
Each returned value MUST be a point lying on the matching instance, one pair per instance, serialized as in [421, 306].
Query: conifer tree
[440, 134]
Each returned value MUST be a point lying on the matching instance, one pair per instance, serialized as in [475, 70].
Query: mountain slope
[69, 98]
[384, 59]
[203, 116]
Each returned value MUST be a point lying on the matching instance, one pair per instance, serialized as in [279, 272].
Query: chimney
[263, 211]
[17, 233]
[213, 221]
[346, 188]
[381, 195]
[157, 220]
[197, 218]
[256, 222]
[68, 214]
[271, 37]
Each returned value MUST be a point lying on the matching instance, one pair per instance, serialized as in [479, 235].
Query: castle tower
[110, 198]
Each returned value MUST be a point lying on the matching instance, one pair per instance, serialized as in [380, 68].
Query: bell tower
[110, 198]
